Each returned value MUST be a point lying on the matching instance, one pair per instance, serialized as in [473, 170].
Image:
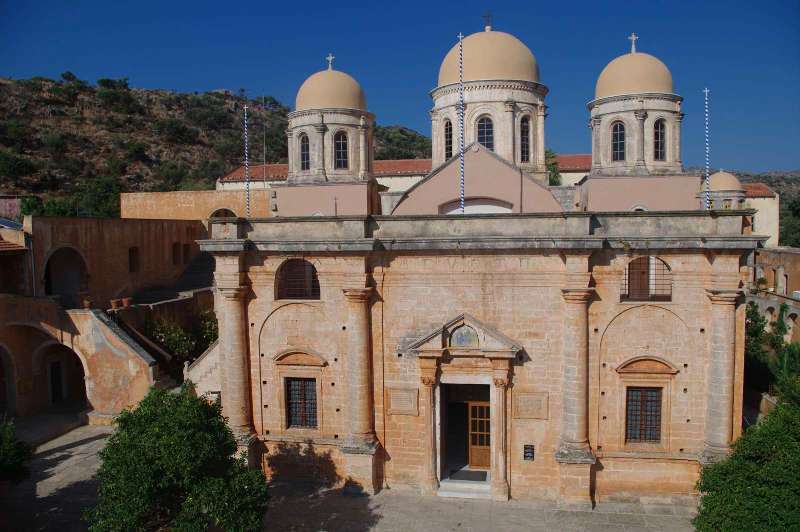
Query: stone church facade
[525, 347]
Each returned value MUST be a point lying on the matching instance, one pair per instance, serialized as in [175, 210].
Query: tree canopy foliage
[170, 464]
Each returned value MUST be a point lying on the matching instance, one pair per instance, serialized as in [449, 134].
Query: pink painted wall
[670, 193]
[485, 176]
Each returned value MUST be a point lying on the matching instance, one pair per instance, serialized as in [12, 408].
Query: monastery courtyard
[62, 484]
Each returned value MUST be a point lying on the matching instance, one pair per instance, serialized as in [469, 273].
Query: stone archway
[66, 276]
[61, 373]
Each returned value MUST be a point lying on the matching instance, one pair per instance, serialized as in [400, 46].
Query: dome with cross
[490, 55]
[330, 89]
[634, 73]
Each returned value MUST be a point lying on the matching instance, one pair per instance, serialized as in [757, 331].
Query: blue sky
[748, 53]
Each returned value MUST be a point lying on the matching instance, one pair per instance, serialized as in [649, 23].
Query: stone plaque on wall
[403, 401]
[530, 405]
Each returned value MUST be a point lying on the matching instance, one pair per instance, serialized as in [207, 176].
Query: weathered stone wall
[117, 372]
[104, 246]
[192, 204]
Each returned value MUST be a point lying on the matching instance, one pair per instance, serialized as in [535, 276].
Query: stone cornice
[724, 297]
[628, 97]
[490, 84]
[358, 295]
[314, 112]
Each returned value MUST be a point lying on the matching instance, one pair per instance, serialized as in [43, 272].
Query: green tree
[790, 221]
[757, 487]
[14, 454]
[170, 464]
[14, 166]
[553, 173]
[99, 197]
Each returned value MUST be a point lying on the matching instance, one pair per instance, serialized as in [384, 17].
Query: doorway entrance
[466, 428]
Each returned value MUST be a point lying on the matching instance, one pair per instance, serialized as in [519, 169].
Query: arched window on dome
[660, 140]
[296, 279]
[525, 139]
[618, 141]
[486, 132]
[305, 156]
[340, 155]
[448, 140]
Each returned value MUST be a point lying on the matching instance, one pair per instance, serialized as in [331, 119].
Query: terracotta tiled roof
[6, 246]
[575, 162]
[757, 190]
[393, 167]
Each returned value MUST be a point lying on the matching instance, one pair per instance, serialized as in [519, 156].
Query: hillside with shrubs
[73, 145]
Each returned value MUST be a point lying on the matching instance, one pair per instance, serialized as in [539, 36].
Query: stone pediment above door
[463, 335]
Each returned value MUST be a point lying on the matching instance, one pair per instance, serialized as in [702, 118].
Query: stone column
[719, 407]
[594, 125]
[497, 409]
[428, 370]
[676, 139]
[437, 139]
[359, 370]
[512, 152]
[780, 280]
[233, 346]
[320, 162]
[640, 117]
[291, 151]
[574, 444]
[541, 165]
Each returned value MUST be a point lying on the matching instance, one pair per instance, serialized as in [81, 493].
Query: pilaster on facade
[362, 426]
[720, 378]
[429, 367]
[498, 407]
[541, 114]
[319, 162]
[641, 116]
[363, 169]
[510, 107]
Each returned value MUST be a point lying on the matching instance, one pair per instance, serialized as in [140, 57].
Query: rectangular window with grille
[643, 415]
[301, 403]
[525, 140]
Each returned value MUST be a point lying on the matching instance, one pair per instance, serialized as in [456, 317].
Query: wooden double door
[478, 434]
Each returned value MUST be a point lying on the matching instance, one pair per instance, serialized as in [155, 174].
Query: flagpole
[461, 115]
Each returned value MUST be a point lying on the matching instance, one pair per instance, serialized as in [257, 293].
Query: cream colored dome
[330, 89]
[723, 181]
[633, 73]
[490, 55]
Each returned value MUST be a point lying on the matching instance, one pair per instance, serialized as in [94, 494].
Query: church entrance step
[464, 489]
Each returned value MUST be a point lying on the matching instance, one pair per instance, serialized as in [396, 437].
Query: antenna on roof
[707, 202]
[461, 115]
[246, 164]
[264, 167]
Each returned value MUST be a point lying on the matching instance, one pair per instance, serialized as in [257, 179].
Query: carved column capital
[724, 297]
[358, 295]
[500, 382]
[232, 292]
[577, 295]
[640, 115]
[428, 380]
[510, 105]
[679, 117]
[320, 128]
[289, 133]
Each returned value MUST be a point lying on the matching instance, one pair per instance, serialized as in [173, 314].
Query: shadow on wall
[307, 493]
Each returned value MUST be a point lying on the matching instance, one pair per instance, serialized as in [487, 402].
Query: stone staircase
[197, 275]
[204, 372]
[464, 489]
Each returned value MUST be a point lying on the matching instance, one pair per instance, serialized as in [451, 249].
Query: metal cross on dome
[633, 38]
[330, 59]
[487, 17]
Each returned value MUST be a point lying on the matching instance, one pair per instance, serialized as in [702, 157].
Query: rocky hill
[66, 138]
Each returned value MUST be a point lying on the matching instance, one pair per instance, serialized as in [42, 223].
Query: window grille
[486, 133]
[297, 279]
[340, 156]
[305, 157]
[618, 141]
[301, 403]
[660, 141]
[525, 140]
[448, 140]
[643, 415]
[646, 279]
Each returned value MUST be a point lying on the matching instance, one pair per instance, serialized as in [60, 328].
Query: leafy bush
[170, 465]
[171, 337]
[54, 143]
[14, 454]
[757, 487]
[99, 197]
[553, 172]
[176, 132]
[14, 166]
[15, 134]
[207, 329]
